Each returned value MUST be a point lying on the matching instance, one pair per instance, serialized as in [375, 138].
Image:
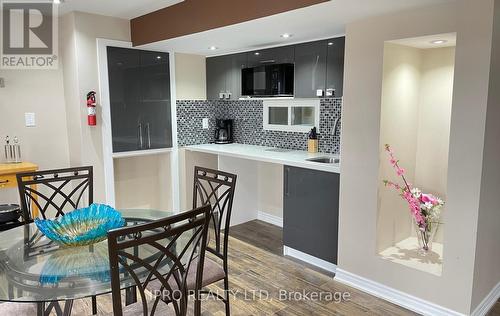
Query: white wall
[187, 161]
[190, 77]
[143, 182]
[40, 92]
[472, 20]
[487, 259]
[79, 33]
[435, 106]
[399, 110]
[270, 189]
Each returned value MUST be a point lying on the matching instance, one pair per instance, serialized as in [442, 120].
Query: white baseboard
[271, 219]
[320, 263]
[487, 303]
[405, 300]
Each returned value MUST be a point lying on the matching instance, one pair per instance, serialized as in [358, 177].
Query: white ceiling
[425, 42]
[315, 22]
[126, 9]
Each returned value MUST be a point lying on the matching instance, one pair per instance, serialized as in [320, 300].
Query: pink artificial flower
[414, 206]
[428, 198]
[400, 171]
[392, 185]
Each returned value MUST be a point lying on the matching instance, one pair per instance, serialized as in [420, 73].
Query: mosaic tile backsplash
[248, 125]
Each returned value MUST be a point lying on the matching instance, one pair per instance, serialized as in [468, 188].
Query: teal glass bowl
[81, 227]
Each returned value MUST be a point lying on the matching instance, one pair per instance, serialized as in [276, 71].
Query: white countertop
[295, 158]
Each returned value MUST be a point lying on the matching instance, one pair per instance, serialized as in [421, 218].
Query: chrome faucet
[336, 124]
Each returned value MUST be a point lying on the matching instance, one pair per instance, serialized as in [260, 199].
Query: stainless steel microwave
[275, 80]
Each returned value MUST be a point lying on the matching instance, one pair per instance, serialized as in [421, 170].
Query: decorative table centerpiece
[424, 208]
[81, 227]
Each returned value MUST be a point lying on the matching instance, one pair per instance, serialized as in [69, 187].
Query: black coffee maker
[223, 131]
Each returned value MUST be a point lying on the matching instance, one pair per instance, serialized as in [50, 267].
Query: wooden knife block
[312, 145]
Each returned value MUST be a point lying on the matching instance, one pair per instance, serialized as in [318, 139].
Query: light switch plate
[29, 119]
[205, 123]
[319, 92]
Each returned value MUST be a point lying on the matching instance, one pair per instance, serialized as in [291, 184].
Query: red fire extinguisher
[91, 108]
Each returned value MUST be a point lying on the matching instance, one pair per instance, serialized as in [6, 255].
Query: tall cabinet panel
[139, 84]
[310, 69]
[156, 100]
[335, 67]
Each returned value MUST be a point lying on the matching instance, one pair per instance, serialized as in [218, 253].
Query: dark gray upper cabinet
[335, 66]
[224, 76]
[278, 55]
[139, 86]
[233, 80]
[216, 76]
[311, 212]
[318, 66]
[310, 69]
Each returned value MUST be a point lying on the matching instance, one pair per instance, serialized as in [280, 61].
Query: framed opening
[291, 115]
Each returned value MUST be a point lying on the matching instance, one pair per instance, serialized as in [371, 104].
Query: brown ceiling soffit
[193, 16]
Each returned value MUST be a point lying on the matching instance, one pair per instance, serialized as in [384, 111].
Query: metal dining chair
[52, 193]
[214, 188]
[178, 245]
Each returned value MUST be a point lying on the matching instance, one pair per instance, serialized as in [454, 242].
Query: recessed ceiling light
[256, 53]
[286, 35]
[212, 48]
[439, 41]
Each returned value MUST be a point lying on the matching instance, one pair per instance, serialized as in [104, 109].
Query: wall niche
[416, 106]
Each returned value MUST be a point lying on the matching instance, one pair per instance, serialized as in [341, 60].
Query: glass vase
[425, 236]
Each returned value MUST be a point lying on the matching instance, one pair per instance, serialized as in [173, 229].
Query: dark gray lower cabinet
[311, 212]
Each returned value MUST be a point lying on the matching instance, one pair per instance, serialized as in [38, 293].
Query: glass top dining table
[34, 269]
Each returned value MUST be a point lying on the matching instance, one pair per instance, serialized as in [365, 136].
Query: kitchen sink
[330, 160]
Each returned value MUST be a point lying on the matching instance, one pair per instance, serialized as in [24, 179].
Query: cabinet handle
[149, 135]
[267, 61]
[139, 129]
[4, 181]
[286, 182]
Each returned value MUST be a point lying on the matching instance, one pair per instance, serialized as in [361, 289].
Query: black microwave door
[288, 80]
[255, 81]
[269, 80]
[281, 80]
[273, 79]
[247, 81]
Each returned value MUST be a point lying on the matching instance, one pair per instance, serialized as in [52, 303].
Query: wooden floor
[256, 263]
[261, 235]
